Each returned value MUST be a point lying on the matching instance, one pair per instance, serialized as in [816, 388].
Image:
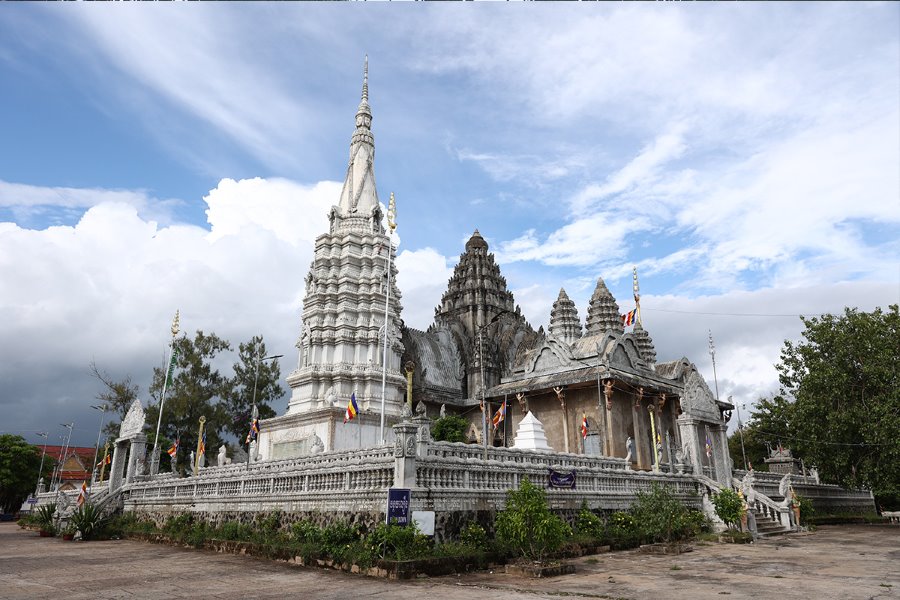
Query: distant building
[73, 467]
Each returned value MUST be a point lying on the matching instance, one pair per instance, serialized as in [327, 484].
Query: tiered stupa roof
[564, 321]
[603, 312]
[644, 343]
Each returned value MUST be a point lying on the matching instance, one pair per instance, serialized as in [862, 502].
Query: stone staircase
[766, 525]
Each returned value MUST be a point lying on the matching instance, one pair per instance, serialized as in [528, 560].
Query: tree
[845, 384]
[239, 390]
[194, 391]
[527, 524]
[19, 464]
[451, 428]
[116, 397]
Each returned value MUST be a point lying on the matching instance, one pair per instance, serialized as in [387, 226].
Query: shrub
[451, 428]
[396, 542]
[660, 516]
[729, 507]
[528, 526]
[474, 536]
[307, 532]
[88, 519]
[337, 539]
[622, 531]
[590, 525]
[232, 530]
[807, 510]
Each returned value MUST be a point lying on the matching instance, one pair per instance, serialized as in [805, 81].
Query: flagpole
[392, 225]
[154, 457]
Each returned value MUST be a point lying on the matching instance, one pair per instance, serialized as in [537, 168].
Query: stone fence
[826, 497]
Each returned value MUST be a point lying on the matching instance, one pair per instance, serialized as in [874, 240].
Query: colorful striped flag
[105, 460]
[171, 370]
[82, 496]
[254, 431]
[708, 446]
[584, 426]
[174, 449]
[202, 450]
[499, 415]
[352, 408]
[629, 317]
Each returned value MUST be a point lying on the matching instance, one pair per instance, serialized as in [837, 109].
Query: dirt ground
[837, 562]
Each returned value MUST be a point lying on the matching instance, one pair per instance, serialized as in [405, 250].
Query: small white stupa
[530, 434]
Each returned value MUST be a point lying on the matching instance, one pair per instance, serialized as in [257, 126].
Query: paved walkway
[846, 562]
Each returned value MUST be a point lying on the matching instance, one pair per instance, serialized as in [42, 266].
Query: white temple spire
[359, 196]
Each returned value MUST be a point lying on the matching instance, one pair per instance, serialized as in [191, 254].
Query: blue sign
[32, 501]
[398, 506]
[562, 480]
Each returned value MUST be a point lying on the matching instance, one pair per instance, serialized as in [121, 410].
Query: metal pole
[42, 434]
[59, 469]
[712, 353]
[741, 433]
[154, 457]
[99, 433]
[392, 225]
[483, 407]
[387, 300]
[253, 410]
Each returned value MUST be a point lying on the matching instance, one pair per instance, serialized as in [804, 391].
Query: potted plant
[68, 533]
[44, 519]
[87, 519]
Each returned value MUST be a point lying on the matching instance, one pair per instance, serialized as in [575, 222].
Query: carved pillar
[561, 396]
[136, 457]
[423, 430]
[405, 454]
[117, 469]
[723, 472]
[608, 417]
[640, 439]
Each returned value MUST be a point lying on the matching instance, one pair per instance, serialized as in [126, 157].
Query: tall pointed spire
[359, 196]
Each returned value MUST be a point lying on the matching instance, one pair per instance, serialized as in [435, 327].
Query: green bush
[729, 507]
[307, 532]
[622, 531]
[527, 526]
[590, 525]
[88, 519]
[396, 542]
[233, 530]
[807, 510]
[661, 517]
[474, 536]
[451, 428]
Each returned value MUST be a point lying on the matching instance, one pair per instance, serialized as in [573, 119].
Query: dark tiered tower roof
[603, 312]
[564, 321]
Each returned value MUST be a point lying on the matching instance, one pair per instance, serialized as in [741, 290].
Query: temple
[480, 350]
[585, 401]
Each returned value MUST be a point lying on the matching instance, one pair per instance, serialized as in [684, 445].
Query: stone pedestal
[405, 455]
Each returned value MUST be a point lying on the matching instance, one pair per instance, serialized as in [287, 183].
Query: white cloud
[422, 277]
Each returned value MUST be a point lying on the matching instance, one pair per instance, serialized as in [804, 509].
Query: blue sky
[743, 156]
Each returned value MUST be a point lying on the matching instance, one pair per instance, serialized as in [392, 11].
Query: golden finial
[392, 214]
[175, 325]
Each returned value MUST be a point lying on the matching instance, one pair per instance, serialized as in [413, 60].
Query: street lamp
[102, 409]
[42, 434]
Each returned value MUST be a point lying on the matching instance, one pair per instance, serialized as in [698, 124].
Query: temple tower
[477, 299]
[603, 312]
[564, 322]
[341, 337]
